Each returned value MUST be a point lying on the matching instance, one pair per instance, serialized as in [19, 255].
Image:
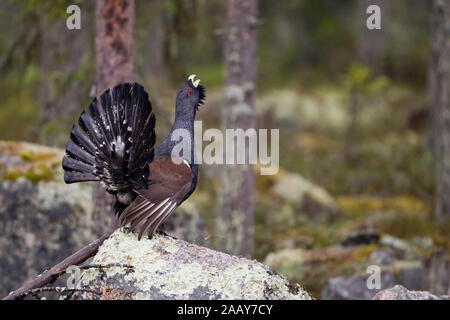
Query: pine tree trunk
[439, 86]
[46, 60]
[114, 43]
[235, 222]
[372, 43]
[156, 42]
[114, 63]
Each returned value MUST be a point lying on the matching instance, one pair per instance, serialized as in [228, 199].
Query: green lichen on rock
[166, 268]
[34, 174]
[399, 292]
[34, 162]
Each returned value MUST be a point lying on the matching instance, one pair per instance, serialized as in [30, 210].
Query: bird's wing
[168, 185]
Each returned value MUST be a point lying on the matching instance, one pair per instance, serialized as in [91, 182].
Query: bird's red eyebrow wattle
[189, 91]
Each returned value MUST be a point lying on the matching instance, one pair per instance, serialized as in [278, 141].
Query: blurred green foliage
[301, 44]
[359, 77]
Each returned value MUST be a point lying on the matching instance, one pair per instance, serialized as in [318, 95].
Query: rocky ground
[340, 270]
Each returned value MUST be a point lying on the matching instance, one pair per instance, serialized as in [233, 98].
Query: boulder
[166, 268]
[323, 111]
[381, 257]
[403, 248]
[407, 273]
[285, 258]
[354, 287]
[310, 199]
[399, 292]
[437, 274]
[410, 274]
[42, 220]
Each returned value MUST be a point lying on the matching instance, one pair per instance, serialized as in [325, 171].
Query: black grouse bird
[115, 144]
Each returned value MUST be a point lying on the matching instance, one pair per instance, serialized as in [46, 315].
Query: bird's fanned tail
[114, 142]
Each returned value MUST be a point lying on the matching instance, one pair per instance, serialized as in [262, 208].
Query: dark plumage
[115, 144]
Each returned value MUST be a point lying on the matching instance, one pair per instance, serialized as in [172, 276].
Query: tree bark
[372, 43]
[114, 64]
[114, 43]
[235, 221]
[439, 87]
[156, 42]
[46, 58]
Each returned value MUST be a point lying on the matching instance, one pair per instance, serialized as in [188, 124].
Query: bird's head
[190, 96]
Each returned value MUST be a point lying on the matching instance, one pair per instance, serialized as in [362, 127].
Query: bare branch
[109, 265]
[56, 271]
[36, 291]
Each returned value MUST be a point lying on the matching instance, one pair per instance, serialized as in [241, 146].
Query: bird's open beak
[196, 82]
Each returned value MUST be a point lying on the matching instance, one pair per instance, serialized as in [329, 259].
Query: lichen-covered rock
[167, 268]
[401, 246]
[381, 257]
[42, 220]
[290, 257]
[321, 111]
[399, 292]
[410, 274]
[309, 199]
[407, 273]
[437, 274]
[355, 287]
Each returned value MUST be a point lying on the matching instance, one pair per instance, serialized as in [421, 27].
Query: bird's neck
[181, 134]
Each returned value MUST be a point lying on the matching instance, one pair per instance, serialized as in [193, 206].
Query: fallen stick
[36, 291]
[54, 272]
[104, 266]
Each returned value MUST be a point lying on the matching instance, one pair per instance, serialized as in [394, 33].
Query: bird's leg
[162, 230]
